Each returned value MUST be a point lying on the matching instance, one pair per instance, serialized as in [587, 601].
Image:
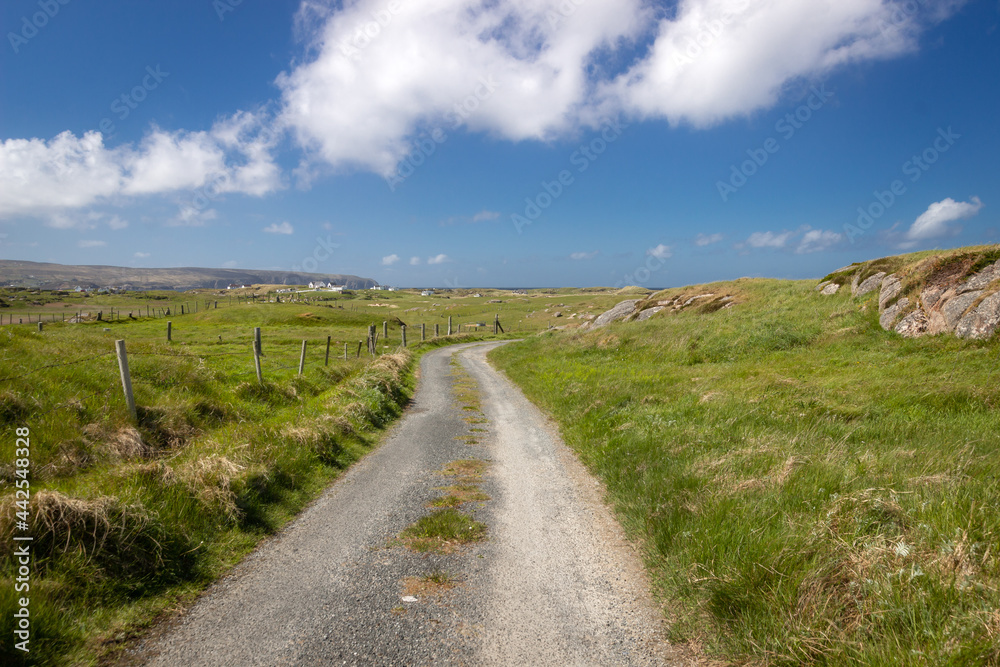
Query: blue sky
[525, 143]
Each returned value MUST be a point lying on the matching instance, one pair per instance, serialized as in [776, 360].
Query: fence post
[256, 354]
[302, 358]
[402, 329]
[126, 378]
[360, 343]
[170, 326]
[436, 333]
[345, 351]
[423, 331]
[385, 330]
[327, 362]
[39, 326]
[449, 325]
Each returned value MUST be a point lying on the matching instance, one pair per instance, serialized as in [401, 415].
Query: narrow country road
[553, 583]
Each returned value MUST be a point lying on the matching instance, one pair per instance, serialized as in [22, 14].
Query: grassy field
[808, 488]
[132, 520]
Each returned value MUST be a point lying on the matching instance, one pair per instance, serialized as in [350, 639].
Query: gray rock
[695, 298]
[830, 289]
[981, 279]
[819, 288]
[982, 322]
[648, 313]
[891, 287]
[954, 308]
[619, 312]
[889, 316]
[869, 284]
[913, 325]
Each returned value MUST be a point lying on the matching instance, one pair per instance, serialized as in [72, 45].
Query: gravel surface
[554, 583]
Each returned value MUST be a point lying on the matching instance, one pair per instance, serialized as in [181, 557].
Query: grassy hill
[60, 276]
[807, 487]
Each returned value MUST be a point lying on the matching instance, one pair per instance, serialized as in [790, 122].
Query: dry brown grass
[211, 480]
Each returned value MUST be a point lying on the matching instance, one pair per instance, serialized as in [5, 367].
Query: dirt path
[554, 583]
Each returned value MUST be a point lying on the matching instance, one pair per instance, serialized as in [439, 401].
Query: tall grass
[130, 519]
[808, 488]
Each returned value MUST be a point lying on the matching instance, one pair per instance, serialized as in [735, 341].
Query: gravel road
[554, 583]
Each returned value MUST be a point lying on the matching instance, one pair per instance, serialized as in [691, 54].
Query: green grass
[442, 530]
[132, 520]
[808, 488]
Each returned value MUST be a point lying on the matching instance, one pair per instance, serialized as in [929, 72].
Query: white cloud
[43, 178]
[817, 240]
[414, 261]
[231, 264]
[92, 244]
[485, 215]
[769, 239]
[517, 70]
[707, 239]
[584, 255]
[661, 252]
[117, 223]
[389, 260]
[437, 259]
[141, 255]
[935, 221]
[279, 228]
[362, 100]
[190, 216]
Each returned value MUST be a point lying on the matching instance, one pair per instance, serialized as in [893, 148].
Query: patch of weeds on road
[458, 495]
[442, 531]
[466, 392]
[467, 439]
[434, 583]
[465, 469]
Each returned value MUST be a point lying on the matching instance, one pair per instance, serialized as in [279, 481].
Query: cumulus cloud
[661, 252]
[46, 177]
[437, 259]
[414, 261]
[707, 239]
[583, 255]
[279, 228]
[92, 244]
[141, 255]
[816, 240]
[191, 216]
[769, 239]
[389, 260]
[368, 89]
[936, 220]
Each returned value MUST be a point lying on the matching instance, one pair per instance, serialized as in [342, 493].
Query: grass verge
[808, 488]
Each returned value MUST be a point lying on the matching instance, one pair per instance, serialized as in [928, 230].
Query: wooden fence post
[170, 326]
[126, 378]
[302, 358]
[449, 325]
[360, 343]
[385, 330]
[423, 331]
[256, 354]
[327, 362]
[345, 351]
[39, 326]
[436, 333]
[402, 329]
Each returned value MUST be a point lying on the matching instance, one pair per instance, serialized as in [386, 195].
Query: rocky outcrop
[869, 284]
[648, 313]
[621, 311]
[949, 301]
[830, 289]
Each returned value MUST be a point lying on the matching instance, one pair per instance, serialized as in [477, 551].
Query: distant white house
[427, 292]
[391, 289]
[237, 286]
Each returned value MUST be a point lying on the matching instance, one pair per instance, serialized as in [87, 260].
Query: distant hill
[61, 276]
